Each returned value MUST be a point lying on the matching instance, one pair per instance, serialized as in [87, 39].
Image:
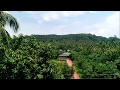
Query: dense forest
[26, 58]
[35, 56]
[93, 56]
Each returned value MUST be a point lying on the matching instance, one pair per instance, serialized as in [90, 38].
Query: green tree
[7, 19]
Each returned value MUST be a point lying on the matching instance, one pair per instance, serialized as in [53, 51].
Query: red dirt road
[75, 75]
[69, 62]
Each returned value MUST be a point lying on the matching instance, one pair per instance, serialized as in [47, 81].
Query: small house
[64, 56]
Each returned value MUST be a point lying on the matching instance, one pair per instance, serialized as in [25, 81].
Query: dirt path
[70, 64]
[75, 76]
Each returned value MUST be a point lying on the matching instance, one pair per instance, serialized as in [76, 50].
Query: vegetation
[27, 57]
[34, 57]
[60, 70]
[7, 19]
[93, 56]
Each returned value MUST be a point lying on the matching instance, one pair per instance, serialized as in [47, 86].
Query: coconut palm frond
[7, 19]
[4, 33]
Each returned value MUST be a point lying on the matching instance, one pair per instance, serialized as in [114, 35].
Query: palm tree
[7, 19]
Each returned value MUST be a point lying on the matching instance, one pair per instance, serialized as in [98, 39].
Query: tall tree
[7, 19]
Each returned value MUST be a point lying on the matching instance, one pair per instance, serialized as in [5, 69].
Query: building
[64, 56]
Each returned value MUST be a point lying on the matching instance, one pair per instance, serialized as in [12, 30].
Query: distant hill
[72, 37]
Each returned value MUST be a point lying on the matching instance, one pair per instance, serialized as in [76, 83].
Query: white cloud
[49, 17]
[7, 11]
[108, 28]
[54, 15]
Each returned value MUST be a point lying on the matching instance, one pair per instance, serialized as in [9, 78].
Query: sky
[100, 23]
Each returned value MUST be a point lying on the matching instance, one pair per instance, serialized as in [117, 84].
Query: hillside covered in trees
[27, 58]
[35, 56]
[93, 56]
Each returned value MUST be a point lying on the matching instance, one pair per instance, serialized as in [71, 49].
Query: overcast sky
[100, 23]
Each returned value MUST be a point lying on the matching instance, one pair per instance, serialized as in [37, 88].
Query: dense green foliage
[34, 57]
[7, 19]
[93, 56]
[60, 70]
[26, 58]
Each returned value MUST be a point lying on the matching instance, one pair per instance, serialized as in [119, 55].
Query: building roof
[65, 54]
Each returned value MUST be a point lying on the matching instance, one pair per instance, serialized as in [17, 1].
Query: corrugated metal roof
[65, 54]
